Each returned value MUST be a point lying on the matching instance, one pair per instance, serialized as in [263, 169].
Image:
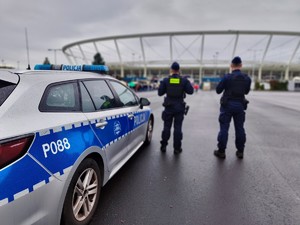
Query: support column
[68, 56]
[287, 70]
[96, 48]
[171, 49]
[263, 58]
[120, 58]
[83, 55]
[73, 57]
[234, 48]
[201, 59]
[144, 57]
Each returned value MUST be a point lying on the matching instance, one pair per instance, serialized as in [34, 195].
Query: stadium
[203, 55]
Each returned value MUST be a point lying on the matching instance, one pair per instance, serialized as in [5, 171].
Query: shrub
[276, 85]
[259, 86]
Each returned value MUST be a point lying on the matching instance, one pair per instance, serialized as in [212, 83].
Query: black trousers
[236, 111]
[168, 118]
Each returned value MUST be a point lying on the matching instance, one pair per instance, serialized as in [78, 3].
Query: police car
[64, 133]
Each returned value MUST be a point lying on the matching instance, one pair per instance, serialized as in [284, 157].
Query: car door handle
[130, 116]
[101, 124]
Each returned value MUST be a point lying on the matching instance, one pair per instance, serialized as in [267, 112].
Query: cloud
[57, 23]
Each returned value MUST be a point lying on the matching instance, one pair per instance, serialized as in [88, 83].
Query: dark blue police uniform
[233, 105]
[175, 87]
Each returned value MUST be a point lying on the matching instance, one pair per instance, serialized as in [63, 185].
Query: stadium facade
[266, 54]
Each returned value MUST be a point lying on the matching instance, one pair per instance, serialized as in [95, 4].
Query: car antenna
[27, 48]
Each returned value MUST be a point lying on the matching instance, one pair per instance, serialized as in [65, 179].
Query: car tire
[149, 132]
[83, 194]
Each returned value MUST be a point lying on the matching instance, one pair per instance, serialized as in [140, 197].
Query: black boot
[177, 150]
[239, 154]
[163, 148]
[220, 154]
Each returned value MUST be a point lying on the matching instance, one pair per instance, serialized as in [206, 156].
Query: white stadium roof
[260, 50]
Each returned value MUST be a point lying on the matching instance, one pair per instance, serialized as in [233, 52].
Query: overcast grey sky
[53, 24]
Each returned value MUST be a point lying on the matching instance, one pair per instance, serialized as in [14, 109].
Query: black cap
[236, 60]
[175, 66]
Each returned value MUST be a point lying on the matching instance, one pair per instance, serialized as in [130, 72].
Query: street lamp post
[54, 50]
[215, 57]
[132, 67]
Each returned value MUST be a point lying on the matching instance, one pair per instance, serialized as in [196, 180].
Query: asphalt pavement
[196, 188]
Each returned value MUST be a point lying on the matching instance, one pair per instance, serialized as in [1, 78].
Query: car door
[137, 117]
[109, 122]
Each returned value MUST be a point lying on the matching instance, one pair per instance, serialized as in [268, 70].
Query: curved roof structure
[263, 52]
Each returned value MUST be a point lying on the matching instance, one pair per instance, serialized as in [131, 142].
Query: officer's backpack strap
[175, 87]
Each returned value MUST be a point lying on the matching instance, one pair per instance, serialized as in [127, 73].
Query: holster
[245, 103]
[186, 109]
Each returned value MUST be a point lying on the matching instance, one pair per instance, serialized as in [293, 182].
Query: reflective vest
[175, 87]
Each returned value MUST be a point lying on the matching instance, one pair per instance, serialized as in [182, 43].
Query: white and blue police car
[64, 133]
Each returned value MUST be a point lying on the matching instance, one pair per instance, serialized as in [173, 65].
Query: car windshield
[6, 89]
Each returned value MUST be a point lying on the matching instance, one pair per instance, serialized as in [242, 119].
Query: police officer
[233, 105]
[175, 87]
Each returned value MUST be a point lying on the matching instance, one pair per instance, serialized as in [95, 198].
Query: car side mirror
[144, 102]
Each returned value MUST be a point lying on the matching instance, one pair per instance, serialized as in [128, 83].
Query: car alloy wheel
[85, 193]
[149, 132]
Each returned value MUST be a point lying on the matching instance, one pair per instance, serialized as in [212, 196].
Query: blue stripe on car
[80, 137]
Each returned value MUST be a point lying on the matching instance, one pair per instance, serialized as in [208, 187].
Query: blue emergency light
[91, 68]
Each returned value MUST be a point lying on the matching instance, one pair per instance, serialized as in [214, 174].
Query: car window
[60, 98]
[6, 89]
[125, 95]
[101, 94]
[87, 103]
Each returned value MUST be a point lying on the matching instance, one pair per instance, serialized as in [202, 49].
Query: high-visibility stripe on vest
[174, 81]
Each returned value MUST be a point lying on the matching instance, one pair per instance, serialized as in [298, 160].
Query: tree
[98, 60]
[46, 61]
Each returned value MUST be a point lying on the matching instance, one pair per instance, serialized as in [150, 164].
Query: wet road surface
[193, 188]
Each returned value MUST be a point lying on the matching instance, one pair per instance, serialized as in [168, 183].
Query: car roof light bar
[91, 68]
